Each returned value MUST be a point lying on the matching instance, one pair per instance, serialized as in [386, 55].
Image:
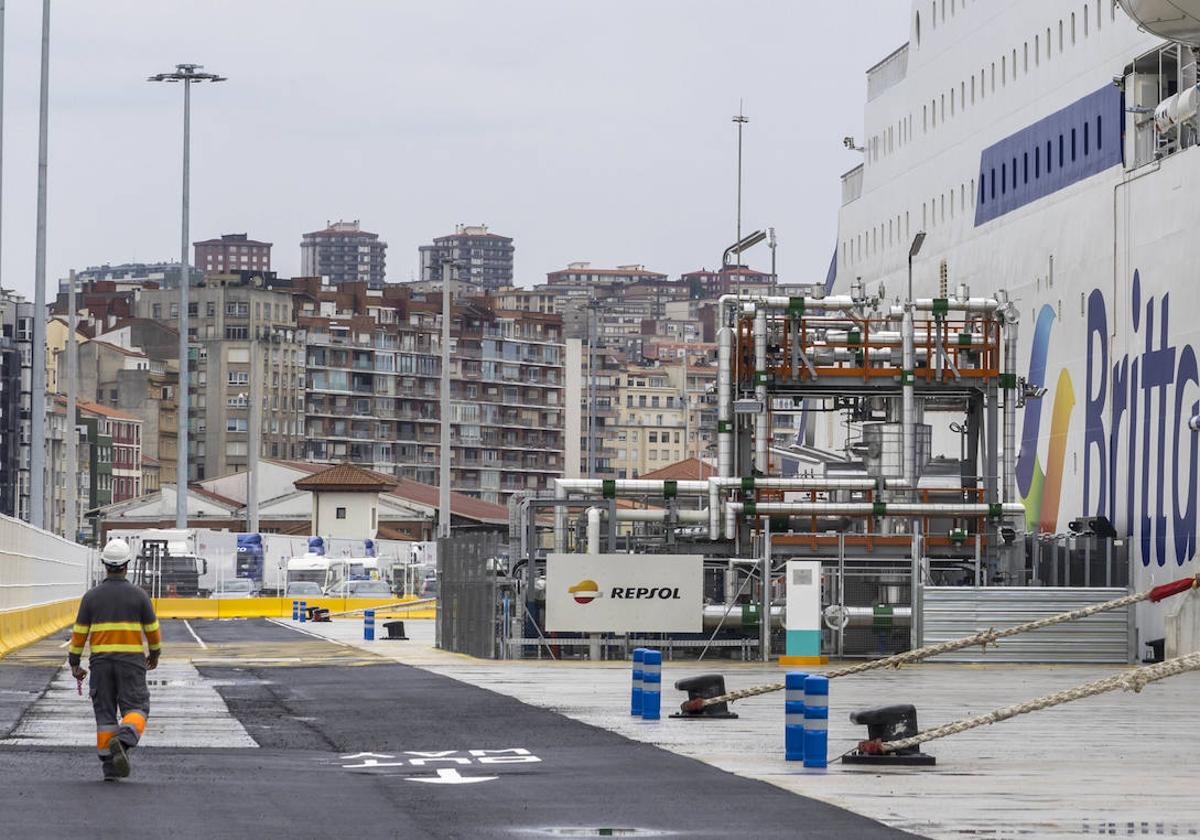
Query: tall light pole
[37, 418]
[72, 528]
[448, 265]
[188, 74]
[740, 120]
[913, 249]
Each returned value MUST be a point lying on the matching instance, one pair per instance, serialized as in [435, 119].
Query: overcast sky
[592, 130]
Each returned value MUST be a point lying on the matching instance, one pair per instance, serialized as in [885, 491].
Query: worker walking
[116, 615]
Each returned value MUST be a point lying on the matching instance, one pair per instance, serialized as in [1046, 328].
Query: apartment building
[232, 252]
[62, 473]
[582, 273]
[345, 253]
[243, 343]
[16, 377]
[482, 257]
[374, 361]
[727, 280]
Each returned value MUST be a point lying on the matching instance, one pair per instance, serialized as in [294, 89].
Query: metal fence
[954, 611]
[39, 568]
[468, 619]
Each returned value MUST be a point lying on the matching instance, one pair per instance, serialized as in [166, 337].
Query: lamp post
[913, 250]
[37, 414]
[188, 74]
[740, 120]
[448, 266]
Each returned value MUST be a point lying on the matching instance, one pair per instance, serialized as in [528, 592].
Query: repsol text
[644, 593]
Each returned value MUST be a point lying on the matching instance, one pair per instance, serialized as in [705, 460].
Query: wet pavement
[274, 733]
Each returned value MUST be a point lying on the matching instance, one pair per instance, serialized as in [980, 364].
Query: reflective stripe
[794, 695]
[116, 637]
[103, 736]
[817, 700]
[81, 628]
[817, 725]
[117, 625]
[76, 651]
[150, 628]
[117, 649]
[135, 719]
[794, 719]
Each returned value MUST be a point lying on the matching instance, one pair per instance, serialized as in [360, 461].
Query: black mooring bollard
[395, 631]
[702, 688]
[889, 723]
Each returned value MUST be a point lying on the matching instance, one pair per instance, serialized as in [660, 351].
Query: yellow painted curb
[803, 660]
[279, 607]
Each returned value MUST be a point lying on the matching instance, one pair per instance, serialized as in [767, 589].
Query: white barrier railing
[37, 567]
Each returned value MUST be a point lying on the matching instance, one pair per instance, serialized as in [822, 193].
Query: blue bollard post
[368, 625]
[295, 610]
[793, 716]
[651, 684]
[635, 698]
[816, 722]
[303, 611]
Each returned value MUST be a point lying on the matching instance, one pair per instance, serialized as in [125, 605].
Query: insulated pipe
[974, 305]
[685, 517]
[905, 509]
[891, 337]
[838, 303]
[714, 509]
[593, 529]
[761, 426]
[716, 486]
[725, 402]
[628, 486]
[1009, 384]
[908, 417]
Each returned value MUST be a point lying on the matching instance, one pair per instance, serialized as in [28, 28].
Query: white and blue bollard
[816, 722]
[651, 684]
[295, 610]
[635, 696]
[368, 625]
[793, 716]
[303, 611]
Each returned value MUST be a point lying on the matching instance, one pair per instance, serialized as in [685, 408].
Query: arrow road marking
[450, 776]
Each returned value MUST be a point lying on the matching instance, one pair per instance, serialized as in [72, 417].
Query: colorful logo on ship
[1041, 489]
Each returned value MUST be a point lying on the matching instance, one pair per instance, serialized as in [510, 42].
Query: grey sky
[586, 130]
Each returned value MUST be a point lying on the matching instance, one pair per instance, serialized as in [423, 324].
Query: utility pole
[444, 514]
[254, 438]
[740, 120]
[37, 414]
[1, 107]
[72, 523]
[188, 74]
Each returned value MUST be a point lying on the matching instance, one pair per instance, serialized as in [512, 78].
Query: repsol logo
[644, 593]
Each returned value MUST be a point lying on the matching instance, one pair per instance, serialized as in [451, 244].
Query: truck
[166, 565]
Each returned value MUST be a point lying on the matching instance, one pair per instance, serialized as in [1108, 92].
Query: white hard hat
[116, 553]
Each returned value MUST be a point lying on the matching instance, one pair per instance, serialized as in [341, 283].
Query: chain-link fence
[468, 618]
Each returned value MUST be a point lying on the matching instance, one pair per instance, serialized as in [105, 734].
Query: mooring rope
[983, 638]
[1134, 680]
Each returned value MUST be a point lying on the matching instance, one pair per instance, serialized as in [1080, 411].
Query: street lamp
[189, 74]
[913, 250]
[449, 267]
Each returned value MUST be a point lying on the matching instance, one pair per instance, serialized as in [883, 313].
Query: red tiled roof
[426, 495]
[689, 469]
[346, 477]
[106, 411]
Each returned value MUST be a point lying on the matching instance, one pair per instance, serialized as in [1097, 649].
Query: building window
[341, 513]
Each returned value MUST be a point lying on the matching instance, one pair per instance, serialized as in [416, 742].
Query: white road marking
[292, 626]
[451, 777]
[185, 711]
[199, 641]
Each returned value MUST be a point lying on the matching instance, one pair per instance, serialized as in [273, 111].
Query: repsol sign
[645, 593]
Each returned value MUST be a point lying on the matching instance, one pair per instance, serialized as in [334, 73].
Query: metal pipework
[725, 402]
[895, 339]
[761, 426]
[560, 519]
[908, 417]
[1009, 384]
[862, 509]
[628, 486]
[837, 303]
[595, 515]
[718, 486]
[978, 306]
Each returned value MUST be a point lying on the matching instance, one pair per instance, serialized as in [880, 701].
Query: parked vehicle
[303, 589]
[360, 589]
[235, 588]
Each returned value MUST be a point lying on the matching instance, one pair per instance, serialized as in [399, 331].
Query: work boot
[110, 772]
[120, 758]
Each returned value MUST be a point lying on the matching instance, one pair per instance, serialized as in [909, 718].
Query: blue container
[651, 685]
[816, 722]
[368, 625]
[793, 716]
[303, 611]
[635, 697]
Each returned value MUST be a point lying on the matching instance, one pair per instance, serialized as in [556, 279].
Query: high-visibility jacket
[115, 615]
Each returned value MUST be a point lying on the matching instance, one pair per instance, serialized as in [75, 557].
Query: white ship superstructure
[1022, 138]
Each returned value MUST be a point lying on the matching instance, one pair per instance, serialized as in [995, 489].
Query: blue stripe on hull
[1068, 146]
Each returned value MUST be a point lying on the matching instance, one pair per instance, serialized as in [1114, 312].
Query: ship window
[993, 184]
[1037, 163]
[973, 191]
[1025, 168]
[1047, 43]
[1086, 17]
[1062, 160]
[982, 188]
[1099, 123]
[1037, 50]
[1072, 145]
[1003, 70]
[918, 30]
[1003, 179]
[1086, 132]
[1049, 158]
[1026, 65]
[1072, 29]
[1060, 37]
[933, 14]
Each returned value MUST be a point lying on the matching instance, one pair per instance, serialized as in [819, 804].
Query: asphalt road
[352, 747]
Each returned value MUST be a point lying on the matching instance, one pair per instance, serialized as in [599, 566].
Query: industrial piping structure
[889, 502]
